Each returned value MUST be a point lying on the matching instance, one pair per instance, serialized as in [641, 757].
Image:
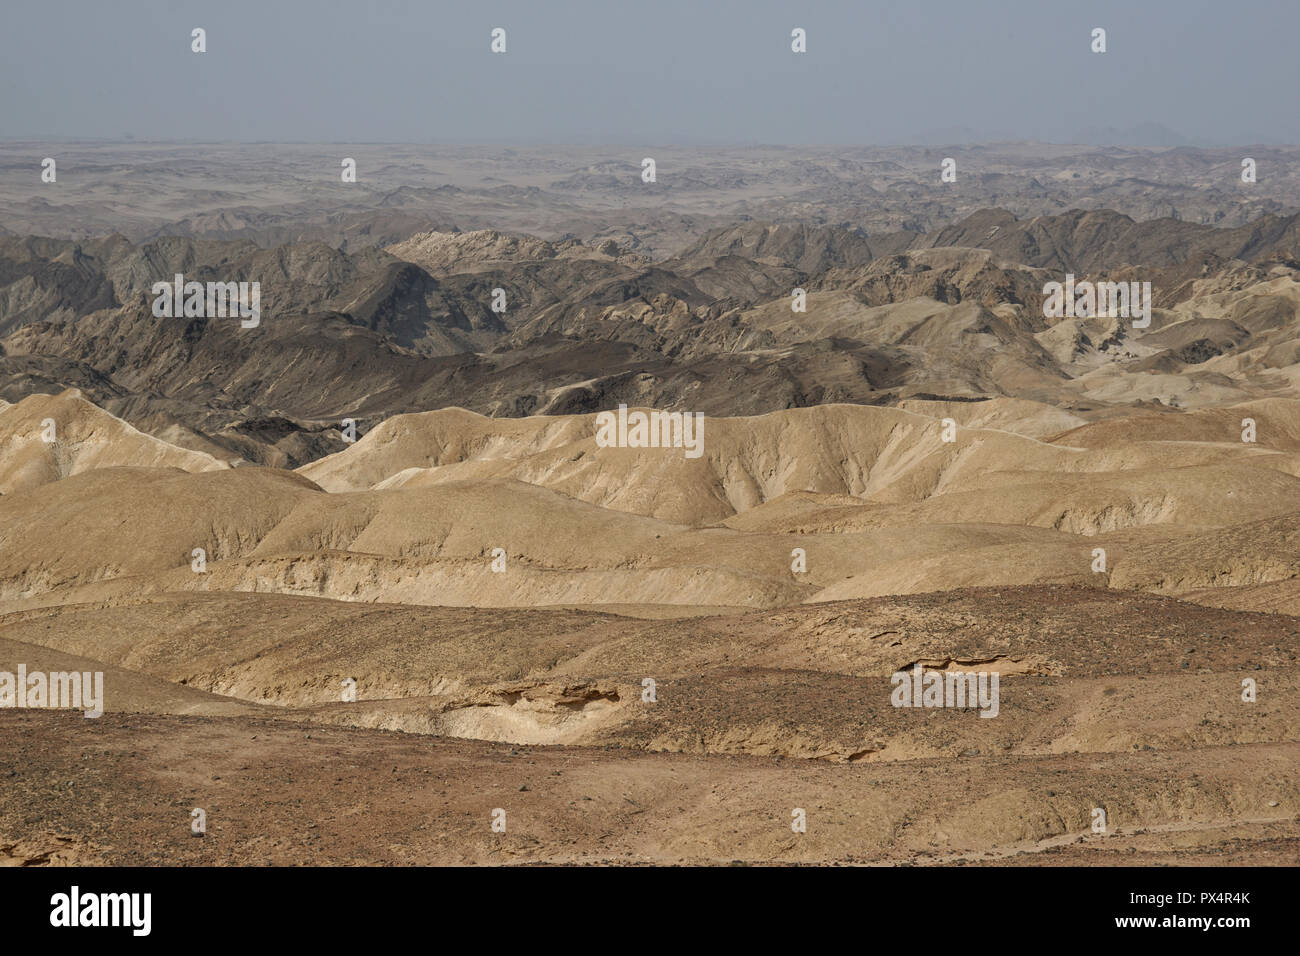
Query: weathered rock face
[899, 467]
[513, 325]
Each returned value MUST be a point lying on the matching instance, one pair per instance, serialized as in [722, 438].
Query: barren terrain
[638, 654]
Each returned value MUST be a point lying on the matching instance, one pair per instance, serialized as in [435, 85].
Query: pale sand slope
[84, 437]
[1108, 696]
[875, 501]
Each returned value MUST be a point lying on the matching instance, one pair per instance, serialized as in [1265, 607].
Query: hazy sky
[1215, 72]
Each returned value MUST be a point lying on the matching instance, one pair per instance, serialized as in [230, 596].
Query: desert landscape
[369, 582]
